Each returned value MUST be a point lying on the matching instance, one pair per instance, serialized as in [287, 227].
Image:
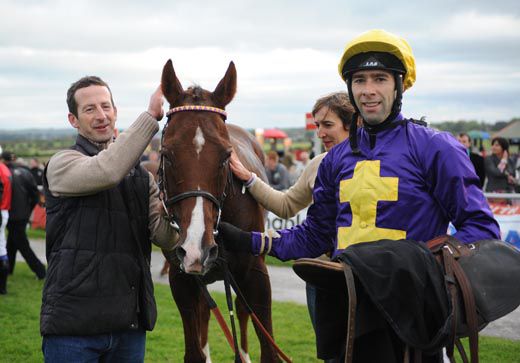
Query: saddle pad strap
[351, 321]
[448, 261]
[471, 310]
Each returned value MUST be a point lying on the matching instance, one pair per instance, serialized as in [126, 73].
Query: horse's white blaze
[206, 353]
[199, 140]
[194, 233]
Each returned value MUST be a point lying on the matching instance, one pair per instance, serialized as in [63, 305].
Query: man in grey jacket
[102, 212]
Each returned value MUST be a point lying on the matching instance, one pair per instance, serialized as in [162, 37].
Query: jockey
[392, 179]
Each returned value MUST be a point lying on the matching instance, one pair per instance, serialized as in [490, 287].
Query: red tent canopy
[274, 134]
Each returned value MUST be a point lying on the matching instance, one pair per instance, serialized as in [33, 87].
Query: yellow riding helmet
[380, 41]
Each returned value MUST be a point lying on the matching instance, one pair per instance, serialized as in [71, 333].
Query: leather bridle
[168, 202]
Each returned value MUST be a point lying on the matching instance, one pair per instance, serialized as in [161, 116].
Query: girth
[331, 275]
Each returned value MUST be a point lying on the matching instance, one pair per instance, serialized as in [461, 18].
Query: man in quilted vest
[103, 212]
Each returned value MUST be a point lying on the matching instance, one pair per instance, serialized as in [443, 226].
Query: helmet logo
[371, 63]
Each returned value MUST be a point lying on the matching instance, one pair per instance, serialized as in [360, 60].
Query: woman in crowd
[332, 115]
[500, 168]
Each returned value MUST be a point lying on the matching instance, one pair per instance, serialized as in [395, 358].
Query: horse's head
[194, 165]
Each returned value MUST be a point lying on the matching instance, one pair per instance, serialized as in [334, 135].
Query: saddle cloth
[402, 280]
[409, 289]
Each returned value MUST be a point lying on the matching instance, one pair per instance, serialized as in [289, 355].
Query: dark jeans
[126, 346]
[17, 241]
[310, 291]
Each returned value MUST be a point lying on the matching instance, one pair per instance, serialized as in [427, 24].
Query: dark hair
[83, 83]
[465, 134]
[339, 103]
[502, 142]
[8, 156]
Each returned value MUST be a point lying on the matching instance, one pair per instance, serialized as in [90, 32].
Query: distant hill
[36, 134]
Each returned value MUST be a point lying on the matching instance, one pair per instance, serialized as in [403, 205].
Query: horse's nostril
[181, 253]
[212, 253]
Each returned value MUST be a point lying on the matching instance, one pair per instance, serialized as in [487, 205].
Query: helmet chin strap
[374, 129]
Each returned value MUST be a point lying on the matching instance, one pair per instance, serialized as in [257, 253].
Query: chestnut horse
[199, 189]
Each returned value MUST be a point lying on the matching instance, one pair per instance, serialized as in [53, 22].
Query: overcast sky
[286, 54]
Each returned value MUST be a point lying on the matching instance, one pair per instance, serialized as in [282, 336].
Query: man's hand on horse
[155, 107]
[233, 238]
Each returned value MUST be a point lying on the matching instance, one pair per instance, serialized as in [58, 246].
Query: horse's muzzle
[195, 262]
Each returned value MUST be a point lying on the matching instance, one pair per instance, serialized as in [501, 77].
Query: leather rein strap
[447, 251]
[230, 337]
[352, 303]
[230, 279]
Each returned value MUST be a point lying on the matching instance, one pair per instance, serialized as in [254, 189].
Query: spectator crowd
[498, 169]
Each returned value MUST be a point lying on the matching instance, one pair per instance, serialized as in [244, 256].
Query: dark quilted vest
[94, 276]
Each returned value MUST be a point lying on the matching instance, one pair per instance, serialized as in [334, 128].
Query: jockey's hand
[233, 238]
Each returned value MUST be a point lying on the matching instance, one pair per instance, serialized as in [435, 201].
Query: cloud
[476, 26]
[286, 54]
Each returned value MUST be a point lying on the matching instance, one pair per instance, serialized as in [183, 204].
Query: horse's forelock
[197, 95]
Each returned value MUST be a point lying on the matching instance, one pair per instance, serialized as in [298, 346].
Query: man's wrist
[151, 115]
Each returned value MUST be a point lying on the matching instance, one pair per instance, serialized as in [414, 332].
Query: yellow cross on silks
[363, 191]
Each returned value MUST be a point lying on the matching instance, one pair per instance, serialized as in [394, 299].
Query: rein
[231, 336]
[170, 201]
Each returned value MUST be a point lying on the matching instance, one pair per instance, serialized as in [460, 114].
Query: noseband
[168, 202]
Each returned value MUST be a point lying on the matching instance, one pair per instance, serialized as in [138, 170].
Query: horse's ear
[170, 84]
[227, 87]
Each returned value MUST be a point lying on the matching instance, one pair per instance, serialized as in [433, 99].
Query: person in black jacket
[5, 205]
[24, 198]
[476, 159]
[36, 171]
[103, 212]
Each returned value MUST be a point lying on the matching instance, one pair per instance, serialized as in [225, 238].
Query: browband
[197, 108]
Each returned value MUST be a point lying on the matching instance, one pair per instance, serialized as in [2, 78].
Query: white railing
[503, 195]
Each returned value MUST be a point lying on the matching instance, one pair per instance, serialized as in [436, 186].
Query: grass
[21, 341]
[273, 261]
